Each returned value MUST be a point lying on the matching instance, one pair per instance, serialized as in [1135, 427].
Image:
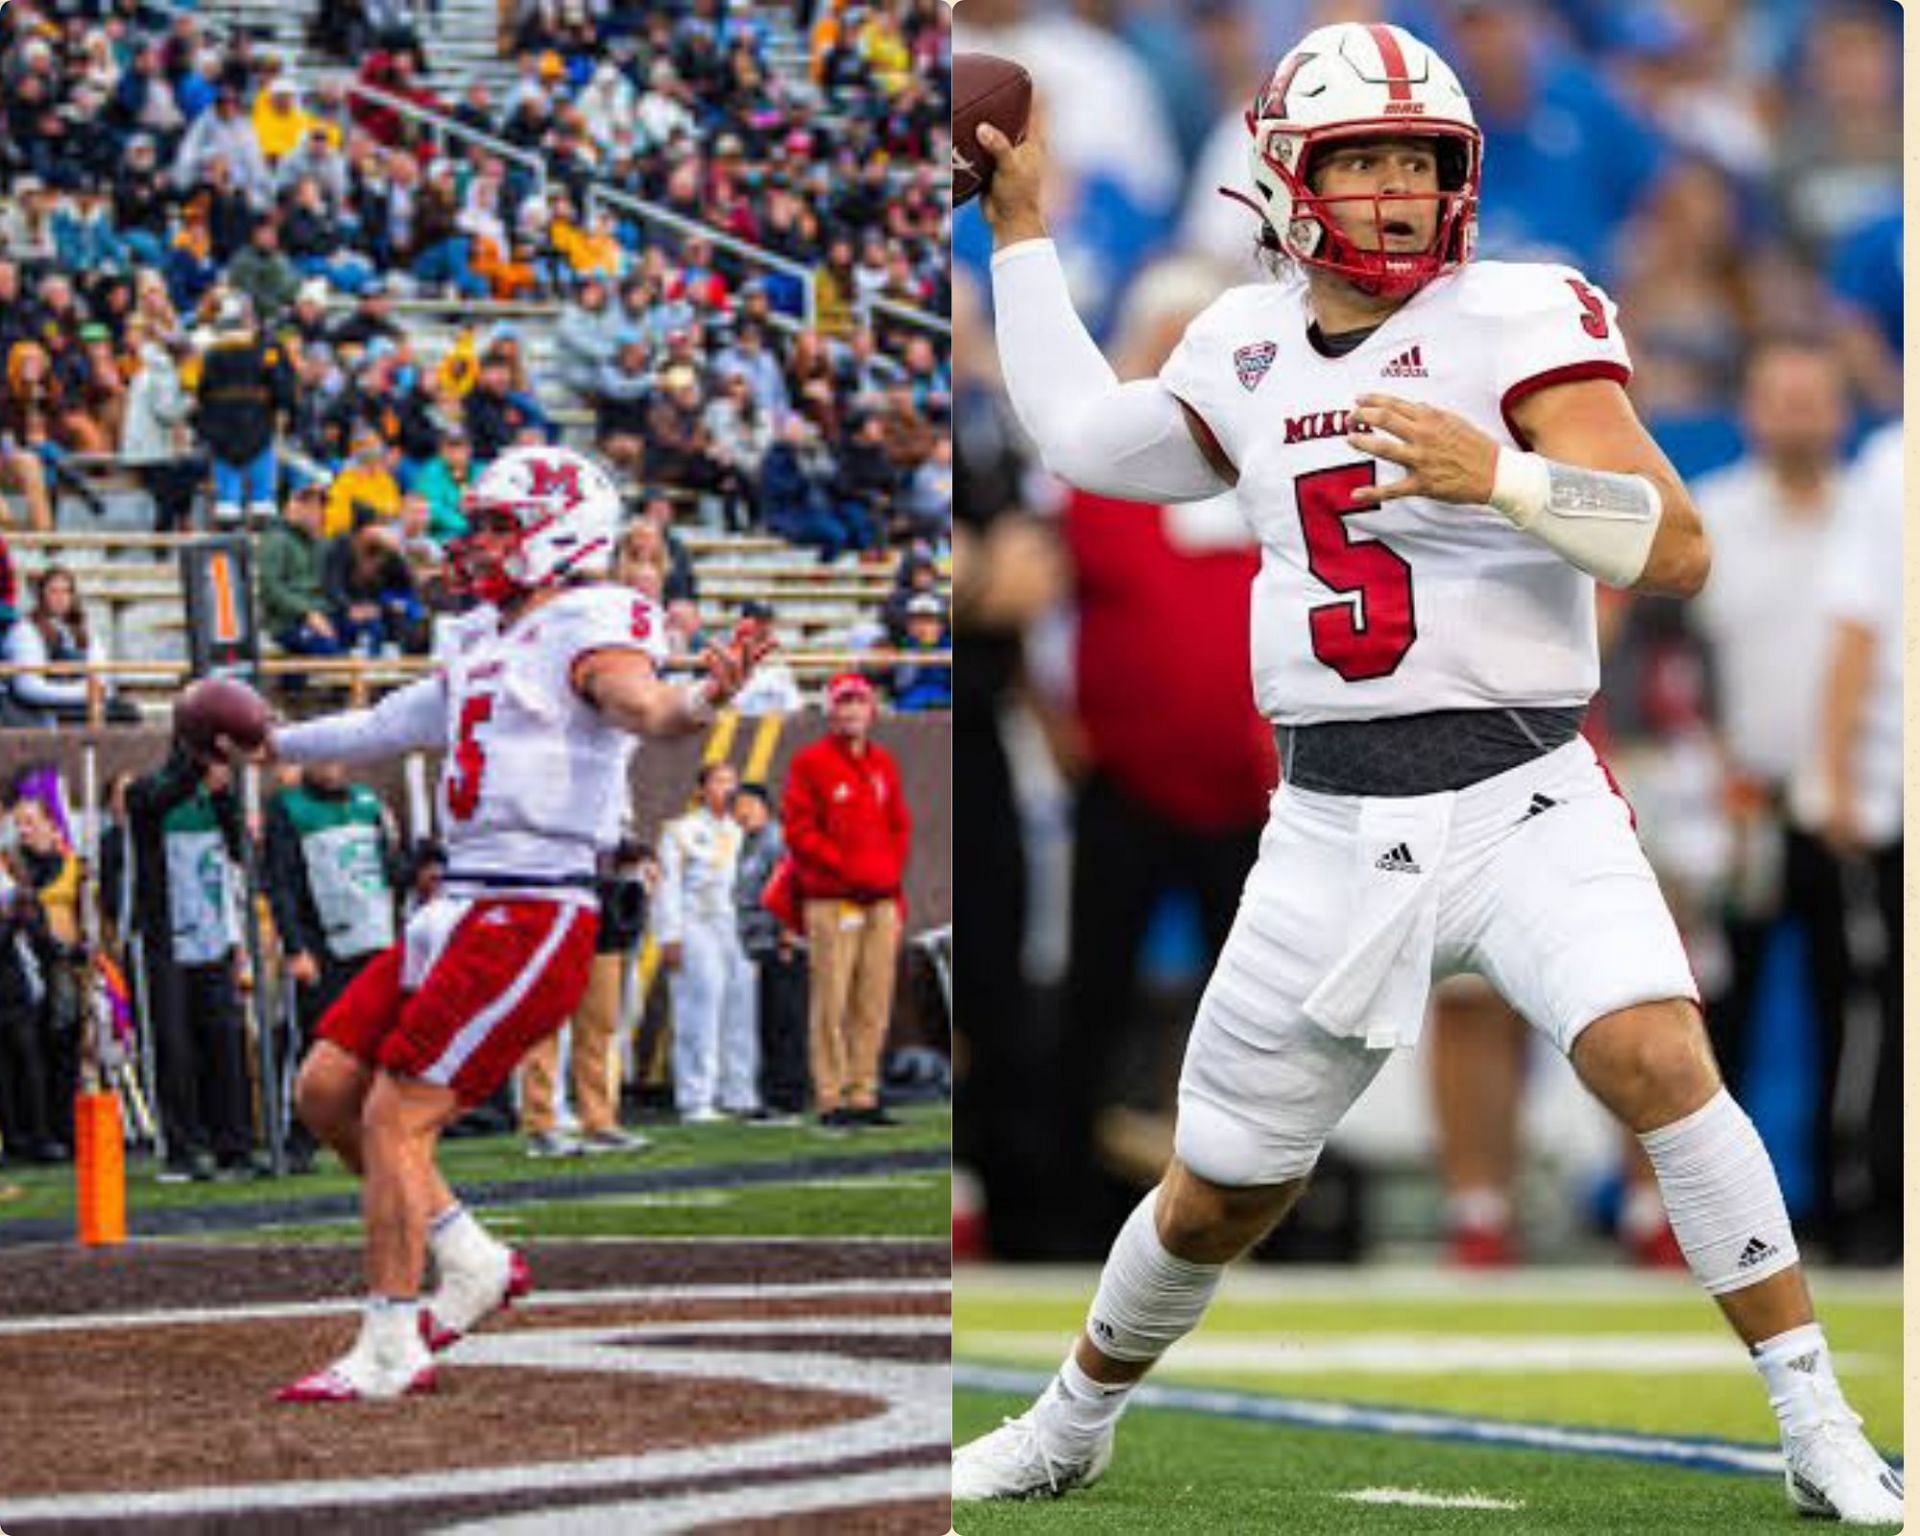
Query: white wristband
[1599, 520]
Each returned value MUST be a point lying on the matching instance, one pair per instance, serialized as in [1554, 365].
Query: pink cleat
[358, 1378]
[465, 1300]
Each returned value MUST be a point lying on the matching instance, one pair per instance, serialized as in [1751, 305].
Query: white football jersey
[1416, 605]
[533, 777]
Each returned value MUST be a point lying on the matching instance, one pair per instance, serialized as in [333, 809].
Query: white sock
[458, 1241]
[1797, 1367]
[1082, 1407]
[1479, 1209]
[390, 1329]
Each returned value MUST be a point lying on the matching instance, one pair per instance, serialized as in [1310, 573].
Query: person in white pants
[715, 1044]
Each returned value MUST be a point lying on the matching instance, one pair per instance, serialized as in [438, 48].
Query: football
[985, 90]
[216, 707]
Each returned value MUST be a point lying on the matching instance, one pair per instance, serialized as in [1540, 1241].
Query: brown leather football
[216, 707]
[986, 89]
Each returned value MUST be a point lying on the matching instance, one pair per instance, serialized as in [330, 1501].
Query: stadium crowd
[200, 258]
[1731, 173]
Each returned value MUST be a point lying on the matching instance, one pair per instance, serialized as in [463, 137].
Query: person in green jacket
[331, 865]
[293, 602]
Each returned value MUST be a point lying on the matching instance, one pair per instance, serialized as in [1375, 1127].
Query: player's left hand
[1446, 457]
[729, 666]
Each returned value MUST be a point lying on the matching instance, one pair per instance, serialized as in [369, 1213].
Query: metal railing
[666, 218]
[439, 126]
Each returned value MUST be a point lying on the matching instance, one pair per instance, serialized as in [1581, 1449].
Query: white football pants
[716, 1043]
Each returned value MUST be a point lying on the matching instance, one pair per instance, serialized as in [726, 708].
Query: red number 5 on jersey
[469, 758]
[1366, 633]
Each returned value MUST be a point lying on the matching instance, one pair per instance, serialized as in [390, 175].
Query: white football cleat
[1016, 1461]
[1833, 1472]
[465, 1299]
[358, 1377]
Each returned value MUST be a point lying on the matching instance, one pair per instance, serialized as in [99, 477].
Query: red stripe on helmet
[1399, 82]
[1275, 97]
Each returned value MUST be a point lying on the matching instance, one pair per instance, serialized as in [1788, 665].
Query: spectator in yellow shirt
[280, 124]
[366, 480]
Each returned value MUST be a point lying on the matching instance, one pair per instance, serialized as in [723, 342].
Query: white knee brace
[1148, 1300]
[1722, 1196]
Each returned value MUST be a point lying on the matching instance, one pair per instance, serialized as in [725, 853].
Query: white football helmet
[1362, 80]
[567, 512]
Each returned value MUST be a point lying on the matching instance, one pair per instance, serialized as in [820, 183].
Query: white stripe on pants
[716, 1047]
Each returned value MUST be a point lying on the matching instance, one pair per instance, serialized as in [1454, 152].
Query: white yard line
[706, 1511]
[1419, 1498]
[1230, 1353]
[622, 1296]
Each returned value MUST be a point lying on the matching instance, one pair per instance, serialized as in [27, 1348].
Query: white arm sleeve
[409, 719]
[1124, 440]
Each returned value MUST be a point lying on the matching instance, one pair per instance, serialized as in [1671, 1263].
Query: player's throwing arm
[1134, 441]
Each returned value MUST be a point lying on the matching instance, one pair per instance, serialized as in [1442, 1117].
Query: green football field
[1390, 1400]
[723, 1180]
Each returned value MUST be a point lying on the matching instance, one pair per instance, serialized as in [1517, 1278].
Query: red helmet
[1361, 80]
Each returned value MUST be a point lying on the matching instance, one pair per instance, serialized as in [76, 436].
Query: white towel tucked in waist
[427, 933]
[1378, 987]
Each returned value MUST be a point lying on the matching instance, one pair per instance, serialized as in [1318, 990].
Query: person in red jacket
[848, 830]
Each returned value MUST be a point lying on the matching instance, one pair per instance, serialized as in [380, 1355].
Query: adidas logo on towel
[1756, 1252]
[1399, 859]
[1806, 1363]
[1406, 366]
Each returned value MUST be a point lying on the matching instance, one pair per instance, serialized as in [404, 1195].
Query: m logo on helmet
[546, 478]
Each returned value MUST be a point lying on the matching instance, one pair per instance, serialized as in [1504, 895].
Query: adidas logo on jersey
[1756, 1252]
[1406, 366]
[1398, 859]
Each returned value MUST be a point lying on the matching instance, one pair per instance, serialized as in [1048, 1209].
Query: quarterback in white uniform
[544, 686]
[1439, 460]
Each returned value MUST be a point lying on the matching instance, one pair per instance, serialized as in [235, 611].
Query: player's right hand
[1011, 201]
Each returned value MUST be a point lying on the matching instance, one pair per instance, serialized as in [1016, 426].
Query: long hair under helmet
[1362, 80]
[566, 510]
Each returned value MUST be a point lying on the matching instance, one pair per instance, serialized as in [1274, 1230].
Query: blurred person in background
[1159, 603]
[245, 387]
[918, 685]
[156, 435]
[593, 1057]
[779, 959]
[1773, 516]
[56, 628]
[849, 830]
[294, 607]
[371, 598]
[1850, 788]
[715, 1045]
[1006, 573]
[331, 870]
[185, 833]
